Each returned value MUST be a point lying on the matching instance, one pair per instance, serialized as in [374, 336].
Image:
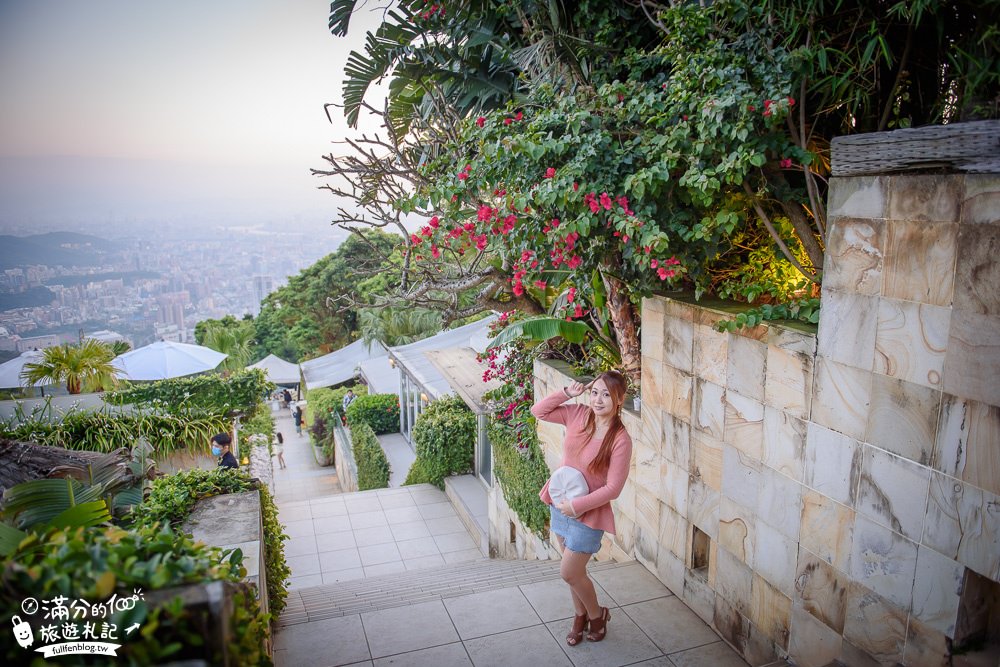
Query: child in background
[279, 449]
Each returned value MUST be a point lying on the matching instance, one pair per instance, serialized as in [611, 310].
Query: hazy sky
[130, 109]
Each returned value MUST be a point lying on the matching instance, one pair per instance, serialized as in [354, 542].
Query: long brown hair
[615, 382]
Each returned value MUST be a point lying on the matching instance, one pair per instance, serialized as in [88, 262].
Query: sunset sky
[118, 107]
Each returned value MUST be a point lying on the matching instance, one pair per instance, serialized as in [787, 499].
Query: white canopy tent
[166, 359]
[10, 371]
[417, 365]
[339, 366]
[278, 370]
[381, 376]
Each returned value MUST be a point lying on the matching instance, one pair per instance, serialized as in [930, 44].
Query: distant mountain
[53, 248]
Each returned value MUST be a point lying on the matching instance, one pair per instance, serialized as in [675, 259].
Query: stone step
[405, 588]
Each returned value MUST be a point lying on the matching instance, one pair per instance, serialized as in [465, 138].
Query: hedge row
[373, 466]
[380, 411]
[444, 437]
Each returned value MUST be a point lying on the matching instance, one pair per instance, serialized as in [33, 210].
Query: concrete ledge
[469, 496]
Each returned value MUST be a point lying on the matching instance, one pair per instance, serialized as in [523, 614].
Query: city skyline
[185, 113]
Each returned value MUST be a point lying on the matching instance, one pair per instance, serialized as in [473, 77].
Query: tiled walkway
[302, 479]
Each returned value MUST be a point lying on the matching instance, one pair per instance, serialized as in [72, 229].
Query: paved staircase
[406, 588]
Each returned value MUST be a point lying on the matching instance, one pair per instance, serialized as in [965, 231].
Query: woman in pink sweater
[597, 446]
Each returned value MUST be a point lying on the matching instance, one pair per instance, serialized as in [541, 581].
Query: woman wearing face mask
[598, 447]
[221, 445]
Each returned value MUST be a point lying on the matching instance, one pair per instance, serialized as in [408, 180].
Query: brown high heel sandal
[575, 635]
[599, 626]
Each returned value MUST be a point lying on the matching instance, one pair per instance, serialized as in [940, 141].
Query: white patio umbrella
[10, 371]
[166, 359]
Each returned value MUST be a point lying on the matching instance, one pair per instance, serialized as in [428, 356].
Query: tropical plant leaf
[39, 501]
[543, 328]
[88, 514]
[10, 539]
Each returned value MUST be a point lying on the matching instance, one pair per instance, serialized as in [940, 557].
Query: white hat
[567, 483]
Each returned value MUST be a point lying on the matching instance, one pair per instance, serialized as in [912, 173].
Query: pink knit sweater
[593, 509]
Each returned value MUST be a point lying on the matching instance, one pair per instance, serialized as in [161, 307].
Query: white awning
[381, 376]
[10, 371]
[339, 366]
[414, 361]
[278, 370]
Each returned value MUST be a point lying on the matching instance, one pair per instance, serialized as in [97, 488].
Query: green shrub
[211, 393]
[173, 497]
[520, 469]
[321, 400]
[444, 437]
[94, 563]
[373, 466]
[380, 411]
[420, 473]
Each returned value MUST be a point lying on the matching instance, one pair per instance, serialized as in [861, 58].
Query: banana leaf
[85, 514]
[10, 539]
[40, 501]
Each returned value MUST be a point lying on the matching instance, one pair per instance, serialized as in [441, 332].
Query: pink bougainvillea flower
[647, 248]
[540, 284]
[481, 121]
[550, 172]
[576, 186]
[662, 272]
[415, 239]
[469, 226]
[571, 294]
[791, 101]
[653, 263]
[519, 115]
[574, 261]
[468, 167]
[425, 231]
[605, 201]
[625, 238]
[462, 175]
[481, 242]
[577, 311]
[435, 252]
[518, 289]
[751, 107]
[673, 261]
[621, 98]
[786, 163]
[507, 121]
[435, 222]
[485, 213]
[684, 117]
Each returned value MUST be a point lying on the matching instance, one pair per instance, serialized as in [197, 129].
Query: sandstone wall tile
[791, 340]
[780, 503]
[893, 492]
[706, 460]
[920, 261]
[847, 327]
[883, 561]
[821, 591]
[676, 440]
[653, 326]
[789, 381]
[673, 486]
[731, 625]
[670, 571]
[771, 612]
[673, 533]
[784, 443]
[827, 529]
[903, 418]
[678, 343]
[926, 197]
[676, 388]
[858, 197]
[654, 304]
[709, 411]
[647, 463]
[733, 581]
[624, 504]
[710, 354]
[963, 523]
[977, 272]
[742, 477]
[841, 398]
[853, 260]
[911, 341]
[832, 464]
[812, 643]
[651, 386]
[982, 199]
[744, 425]
[774, 557]
[680, 309]
[703, 508]
[937, 589]
[737, 530]
[926, 647]
[875, 626]
[699, 596]
[967, 445]
[972, 364]
[745, 366]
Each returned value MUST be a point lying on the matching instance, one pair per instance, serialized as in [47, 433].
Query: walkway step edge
[406, 588]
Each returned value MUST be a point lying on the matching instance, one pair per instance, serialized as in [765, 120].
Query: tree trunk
[624, 321]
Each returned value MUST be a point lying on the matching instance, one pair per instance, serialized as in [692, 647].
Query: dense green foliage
[373, 466]
[312, 315]
[380, 411]
[521, 471]
[172, 498]
[235, 340]
[211, 393]
[105, 432]
[444, 437]
[94, 563]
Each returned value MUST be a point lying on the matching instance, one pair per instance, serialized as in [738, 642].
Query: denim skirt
[576, 536]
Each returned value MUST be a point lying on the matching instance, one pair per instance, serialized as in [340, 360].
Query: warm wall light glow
[392, 362]
[423, 397]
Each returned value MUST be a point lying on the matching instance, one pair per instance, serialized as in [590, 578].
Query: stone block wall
[837, 495]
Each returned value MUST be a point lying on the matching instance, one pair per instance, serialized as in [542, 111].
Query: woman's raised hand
[575, 389]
